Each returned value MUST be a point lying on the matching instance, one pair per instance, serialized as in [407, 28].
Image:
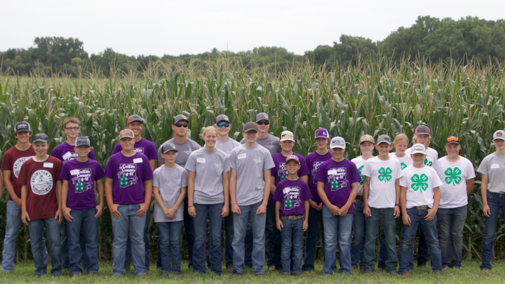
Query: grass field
[469, 274]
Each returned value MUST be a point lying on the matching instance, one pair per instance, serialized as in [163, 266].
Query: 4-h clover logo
[403, 166]
[385, 174]
[453, 176]
[283, 176]
[124, 181]
[79, 187]
[288, 204]
[420, 183]
[334, 184]
[428, 163]
[362, 176]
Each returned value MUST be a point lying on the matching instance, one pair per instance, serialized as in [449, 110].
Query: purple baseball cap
[322, 133]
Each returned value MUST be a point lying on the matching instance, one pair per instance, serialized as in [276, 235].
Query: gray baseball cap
[250, 126]
[180, 117]
[40, 137]
[499, 135]
[222, 117]
[134, 117]
[384, 139]
[22, 126]
[337, 142]
[82, 141]
[167, 148]
[262, 116]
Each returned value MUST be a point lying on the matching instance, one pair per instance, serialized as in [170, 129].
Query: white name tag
[332, 172]
[200, 160]
[67, 156]
[48, 165]
[242, 156]
[495, 166]
[137, 160]
[74, 172]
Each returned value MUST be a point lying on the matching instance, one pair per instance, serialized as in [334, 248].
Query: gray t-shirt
[208, 169]
[270, 142]
[170, 182]
[183, 149]
[250, 163]
[227, 145]
[494, 167]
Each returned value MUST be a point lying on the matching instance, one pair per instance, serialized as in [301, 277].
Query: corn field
[375, 97]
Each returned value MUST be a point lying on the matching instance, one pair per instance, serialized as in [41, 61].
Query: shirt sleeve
[56, 153]
[232, 159]
[399, 172]
[151, 152]
[99, 172]
[307, 195]
[226, 164]
[191, 162]
[117, 148]
[278, 196]
[470, 170]
[146, 169]
[22, 179]
[269, 162]
[436, 179]
[7, 162]
[57, 169]
[184, 178]
[483, 168]
[304, 170]
[355, 176]
[64, 173]
[366, 170]
[320, 174]
[404, 180]
[156, 181]
[91, 154]
[109, 169]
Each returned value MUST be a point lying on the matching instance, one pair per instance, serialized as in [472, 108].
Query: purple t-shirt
[314, 160]
[81, 179]
[338, 178]
[143, 146]
[128, 175]
[279, 171]
[65, 152]
[292, 194]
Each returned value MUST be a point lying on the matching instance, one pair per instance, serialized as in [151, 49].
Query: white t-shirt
[420, 183]
[431, 156]
[454, 176]
[405, 161]
[383, 175]
[360, 164]
[494, 167]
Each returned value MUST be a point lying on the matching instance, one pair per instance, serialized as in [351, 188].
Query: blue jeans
[65, 262]
[147, 244]
[422, 251]
[211, 212]
[240, 229]
[409, 233]
[358, 236]
[84, 219]
[342, 227]
[315, 218]
[292, 238]
[383, 249]
[273, 238]
[131, 225]
[228, 248]
[189, 228]
[36, 231]
[386, 216]
[170, 239]
[496, 201]
[451, 223]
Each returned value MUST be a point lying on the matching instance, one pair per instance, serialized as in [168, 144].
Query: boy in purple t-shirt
[292, 206]
[80, 178]
[337, 184]
[128, 188]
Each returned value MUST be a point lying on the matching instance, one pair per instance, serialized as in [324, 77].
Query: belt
[293, 217]
[422, 207]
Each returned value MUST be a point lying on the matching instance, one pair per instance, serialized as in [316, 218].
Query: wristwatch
[398, 205]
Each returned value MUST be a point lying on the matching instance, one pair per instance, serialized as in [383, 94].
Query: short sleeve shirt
[383, 176]
[169, 182]
[292, 195]
[360, 164]
[65, 152]
[420, 183]
[314, 160]
[271, 143]
[431, 156]
[143, 146]
[405, 161]
[183, 151]
[81, 179]
[454, 176]
[494, 167]
[227, 145]
[13, 160]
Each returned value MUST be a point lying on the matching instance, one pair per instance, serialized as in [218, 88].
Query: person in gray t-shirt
[169, 186]
[264, 139]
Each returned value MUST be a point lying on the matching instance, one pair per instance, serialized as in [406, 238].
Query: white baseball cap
[418, 149]
[337, 142]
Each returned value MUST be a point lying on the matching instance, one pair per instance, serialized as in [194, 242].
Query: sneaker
[271, 267]
[229, 267]
[437, 273]
[297, 274]
[235, 272]
[405, 273]
[394, 272]
[368, 272]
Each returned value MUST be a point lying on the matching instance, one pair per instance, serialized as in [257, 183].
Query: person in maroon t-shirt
[40, 204]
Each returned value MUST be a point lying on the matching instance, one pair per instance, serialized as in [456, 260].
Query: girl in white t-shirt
[401, 141]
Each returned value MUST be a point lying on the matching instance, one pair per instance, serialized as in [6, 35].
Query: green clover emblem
[404, 166]
[453, 176]
[334, 184]
[420, 183]
[385, 174]
[428, 163]
[362, 176]
[314, 179]
[124, 181]
[288, 204]
[283, 176]
[79, 187]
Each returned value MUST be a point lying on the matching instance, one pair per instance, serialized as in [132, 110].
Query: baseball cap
[322, 133]
[500, 134]
[418, 149]
[422, 129]
[367, 138]
[384, 139]
[287, 136]
[250, 126]
[40, 137]
[180, 117]
[337, 142]
[452, 140]
[22, 126]
[125, 133]
[262, 116]
[134, 117]
[82, 141]
[222, 117]
[292, 158]
[167, 148]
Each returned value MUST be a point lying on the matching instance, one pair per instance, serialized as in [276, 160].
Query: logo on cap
[498, 134]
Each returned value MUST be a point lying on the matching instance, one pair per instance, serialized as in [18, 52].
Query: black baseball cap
[134, 117]
[40, 137]
[22, 126]
[180, 117]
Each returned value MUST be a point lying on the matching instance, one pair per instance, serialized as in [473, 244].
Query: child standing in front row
[291, 198]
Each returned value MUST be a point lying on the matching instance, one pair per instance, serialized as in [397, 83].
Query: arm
[403, 205]
[366, 190]
[433, 211]
[110, 201]
[306, 220]
[159, 200]
[59, 214]
[10, 188]
[226, 208]
[152, 163]
[233, 185]
[305, 178]
[397, 200]
[483, 191]
[64, 195]
[320, 190]
[272, 185]
[191, 192]
[277, 217]
[350, 200]
[469, 186]
[24, 213]
[266, 193]
[148, 192]
[99, 207]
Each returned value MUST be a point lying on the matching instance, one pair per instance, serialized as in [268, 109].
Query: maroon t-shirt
[40, 179]
[12, 161]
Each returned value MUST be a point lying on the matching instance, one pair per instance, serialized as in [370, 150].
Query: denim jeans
[315, 218]
[240, 229]
[383, 249]
[422, 251]
[131, 225]
[273, 238]
[147, 244]
[496, 201]
[341, 227]
[211, 212]
[292, 238]
[409, 233]
[386, 217]
[228, 249]
[358, 235]
[189, 229]
[451, 223]
[84, 219]
[170, 239]
[36, 231]
[65, 262]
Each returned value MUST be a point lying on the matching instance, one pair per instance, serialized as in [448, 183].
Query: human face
[23, 137]
[452, 149]
[401, 146]
[40, 148]
[287, 146]
[72, 130]
[250, 136]
[210, 138]
[366, 148]
[338, 154]
[423, 139]
[292, 167]
[384, 149]
[82, 151]
[499, 144]
[127, 144]
[169, 157]
[221, 129]
[263, 126]
[180, 128]
[322, 143]
[136, 127]
[418, 159]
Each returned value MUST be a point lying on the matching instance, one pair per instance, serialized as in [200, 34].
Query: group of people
[254, 189]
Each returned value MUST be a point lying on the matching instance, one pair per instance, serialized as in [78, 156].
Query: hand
[279, 224]
[18, 202]
[366, 211]
[99, 211]
[143, 210]
[486, 211]
[313, 204]
[334, 210]
[261, 210]
[66, 214]
[25, 217]
[170, 213]
[59, 216]
[114, 212]
[235, 209]
[225, 211]
[397, 212]
[320, 207]
[406, 219]
[305, 225]
[343, 211]
[192, 211]
[431, 214]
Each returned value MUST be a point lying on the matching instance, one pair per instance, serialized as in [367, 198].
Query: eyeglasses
[263, 123]
[450, 139]
[73, 128]
[181, 125]
[223, 124]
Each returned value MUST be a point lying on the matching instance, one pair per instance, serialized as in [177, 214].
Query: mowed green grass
[470, 273]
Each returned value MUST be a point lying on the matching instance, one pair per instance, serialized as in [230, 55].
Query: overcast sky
[153, 27]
